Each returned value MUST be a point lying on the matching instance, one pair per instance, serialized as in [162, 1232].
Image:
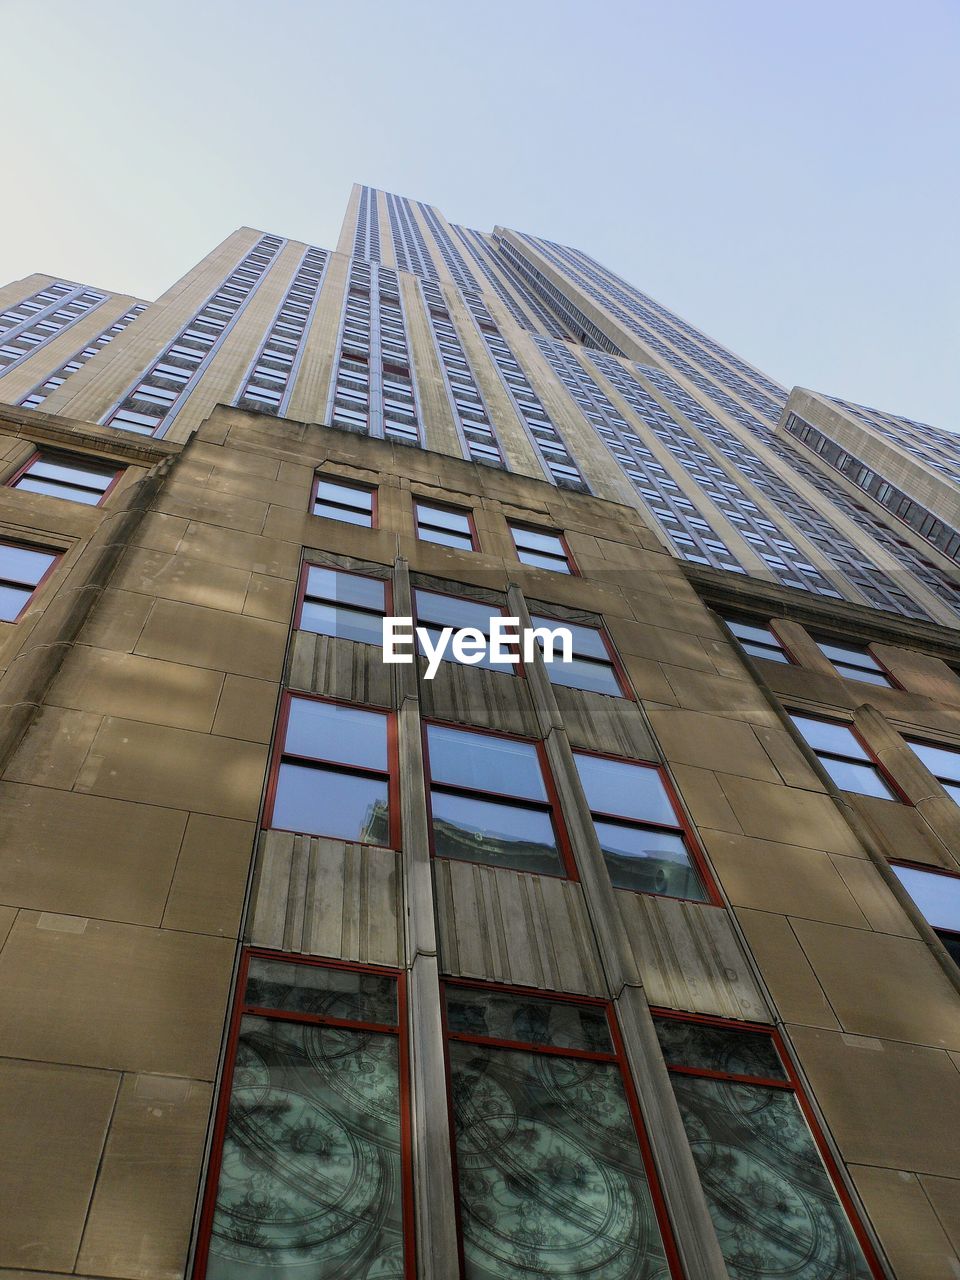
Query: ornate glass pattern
[551, 1173]
[311, 1179]
[771, 1198]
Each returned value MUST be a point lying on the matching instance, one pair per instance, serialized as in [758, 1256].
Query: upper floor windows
[542, 548]
[349, 606]
[641, 834]
[345, 500]
[937, 895]
[22, 569]
[491, 800]
[844, 757]
[448, 526]
[855, 662]
[759, 642]
[59, 476]
[434, 611]
[594, 666]
[943, 763]
[334, 772]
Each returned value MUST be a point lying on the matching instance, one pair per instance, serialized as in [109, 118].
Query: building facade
[637, 965]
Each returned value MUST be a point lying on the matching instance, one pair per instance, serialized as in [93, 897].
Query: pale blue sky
[784, 173]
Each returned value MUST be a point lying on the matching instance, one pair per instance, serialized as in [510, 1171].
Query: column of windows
[37, 320]
[34, 398]
[409, 245]
[938, 449]
[366, 241]
[448, 250]
[478, 249]
[583, 329]
[269, 382]
[149, 406]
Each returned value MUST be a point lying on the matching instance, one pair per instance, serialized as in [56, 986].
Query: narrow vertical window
[343, 500]
[22, 569]
[310, 1173]
[770, 1191]
[553, 1170]
[542, 548]
[448, 526]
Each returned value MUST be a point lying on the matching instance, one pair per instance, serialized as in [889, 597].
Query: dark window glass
[346, 605]
[844, 757]
[638, 828]
[71, 479]
[771, 1198]
[312, 1177]
[489, 801]
[759, 642]
[500, 1015]
[591, 668]
[341, 500]
[444, 525]
[333, 773]
[541, 549]
[21, 569]
[855, 662]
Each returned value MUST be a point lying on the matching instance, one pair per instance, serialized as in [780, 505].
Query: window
[310, 1168]
[58, 476]
[542, 549]
[855, 662]
[349, 606]
[937, 895]
[449, 526]
[435, 611]
[345, 501]
[553, 1170]
[334, 772]
[768, 1181]
[22, 569]
[759, 642]
[844, 757]
[943, 763]
[593, 667]
[490, 802]
[642, 836]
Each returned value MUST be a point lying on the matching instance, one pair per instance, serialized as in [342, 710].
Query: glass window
[58, 476]
[844, 757]
[449, 526]
[435, 611]
[855, 662]
[943, 763]
[541, 548]
[592, 667]
[771, 1196]
[553, 1174]
[759, 642]
[333, 772]
[643, 841]
[489, 801]
[346, 605]
[336, 499]
[21, 571]
[314, 1130]
[937, 895]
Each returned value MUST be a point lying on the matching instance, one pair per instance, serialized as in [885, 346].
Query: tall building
[639, 963]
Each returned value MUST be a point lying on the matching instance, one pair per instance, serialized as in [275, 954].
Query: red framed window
[856, 662]
[22, 571]
[943, 763]
[542, 548]
[310, 1170]
[492, 800]
[777, 1203]
[344, 500]
[594, 667]
[435, 610]
[645, 840]
[759, 641]
[553, 1171]
[937, 895]
[334, 772]
[448, 526]
[335, 602]
[60, 476]
[845, 757]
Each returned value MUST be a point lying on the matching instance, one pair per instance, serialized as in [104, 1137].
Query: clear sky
[784, 173]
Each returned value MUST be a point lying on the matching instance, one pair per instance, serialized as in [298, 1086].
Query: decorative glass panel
[310, 1181]
[551, 1178]
[734, 1052]
[772, 1202]
[351, 994]
[499, 1015]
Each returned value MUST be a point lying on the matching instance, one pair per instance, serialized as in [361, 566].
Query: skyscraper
[642, 963]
